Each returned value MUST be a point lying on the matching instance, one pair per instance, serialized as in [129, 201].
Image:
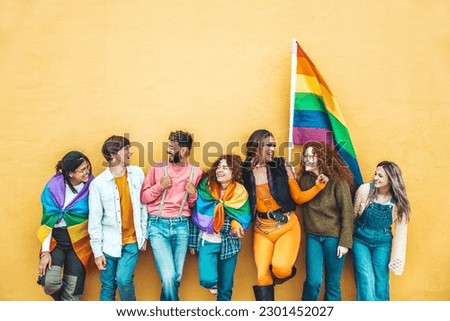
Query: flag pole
[292, 97]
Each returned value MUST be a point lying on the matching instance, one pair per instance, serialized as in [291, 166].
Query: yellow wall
[74, 72]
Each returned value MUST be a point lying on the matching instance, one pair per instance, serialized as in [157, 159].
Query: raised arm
[151, 188]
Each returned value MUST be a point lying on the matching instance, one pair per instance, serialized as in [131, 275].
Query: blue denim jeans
[320, 251]
[119, 274]
[371, 254]
[212, 270]
[169, 239]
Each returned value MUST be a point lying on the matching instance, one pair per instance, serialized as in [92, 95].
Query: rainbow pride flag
[315, 114]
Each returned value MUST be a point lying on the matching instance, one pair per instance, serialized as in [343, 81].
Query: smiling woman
[379, 205]
[274, 195]
[65, 249]
[220, 218]
[327, 220]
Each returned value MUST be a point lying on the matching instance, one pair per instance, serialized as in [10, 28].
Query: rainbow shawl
[209, 212]
[75, 215]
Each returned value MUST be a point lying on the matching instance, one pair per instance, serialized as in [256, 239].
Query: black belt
[276, 215]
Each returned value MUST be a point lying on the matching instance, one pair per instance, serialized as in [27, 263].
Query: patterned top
[230, 245]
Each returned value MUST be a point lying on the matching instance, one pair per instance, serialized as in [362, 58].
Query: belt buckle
[278, 216]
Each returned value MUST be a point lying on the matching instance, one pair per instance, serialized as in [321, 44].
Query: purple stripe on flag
[301, 135]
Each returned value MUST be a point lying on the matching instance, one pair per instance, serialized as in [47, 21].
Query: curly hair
[233, 161]
[329, 162]
[183, 138]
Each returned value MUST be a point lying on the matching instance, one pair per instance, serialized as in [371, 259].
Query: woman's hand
[322, 179]
[44, 262]
[238, 232]
[290, 171]
[341, 251]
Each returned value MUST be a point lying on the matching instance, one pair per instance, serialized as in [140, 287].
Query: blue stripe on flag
[351, 162]
[311, 119]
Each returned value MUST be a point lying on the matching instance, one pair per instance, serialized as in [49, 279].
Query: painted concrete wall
[73, 73]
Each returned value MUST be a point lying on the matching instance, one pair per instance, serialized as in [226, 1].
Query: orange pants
[279, 248]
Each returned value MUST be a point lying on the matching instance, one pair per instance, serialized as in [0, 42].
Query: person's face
[224, 173]
[123, 156]
[81, 174]
[267, 149]
[310, 160]
[174, 152]
[380, 178]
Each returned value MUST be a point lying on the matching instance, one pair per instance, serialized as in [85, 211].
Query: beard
[175, 158]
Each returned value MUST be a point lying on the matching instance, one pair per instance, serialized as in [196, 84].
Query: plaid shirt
[230, 245]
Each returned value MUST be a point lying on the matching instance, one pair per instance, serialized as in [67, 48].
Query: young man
[117, 220]
[169, 190]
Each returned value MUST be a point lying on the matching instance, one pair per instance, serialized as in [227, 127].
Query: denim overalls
[372, 242]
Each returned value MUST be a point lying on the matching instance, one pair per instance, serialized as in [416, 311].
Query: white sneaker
[213, 290]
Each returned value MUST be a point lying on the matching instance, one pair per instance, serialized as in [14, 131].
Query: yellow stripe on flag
[308, 84]
[332, 105]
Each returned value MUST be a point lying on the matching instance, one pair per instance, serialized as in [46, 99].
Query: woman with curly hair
[378, 205]
[327, 220]
[274, 194]
[221, 217]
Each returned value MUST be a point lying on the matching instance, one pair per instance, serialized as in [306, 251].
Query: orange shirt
[126, 209]
[265, 201]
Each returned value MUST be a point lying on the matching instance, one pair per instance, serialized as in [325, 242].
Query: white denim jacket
[105, 220]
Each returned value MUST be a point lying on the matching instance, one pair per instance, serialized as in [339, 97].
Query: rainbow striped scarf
[75, 214]
[209, 211]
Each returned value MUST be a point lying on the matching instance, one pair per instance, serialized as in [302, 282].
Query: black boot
[264, 292]
[281, 281]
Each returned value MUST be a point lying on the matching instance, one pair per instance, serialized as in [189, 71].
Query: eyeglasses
[86, 170]
[223, 167]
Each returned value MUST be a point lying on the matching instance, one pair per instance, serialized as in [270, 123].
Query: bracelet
[43, 253]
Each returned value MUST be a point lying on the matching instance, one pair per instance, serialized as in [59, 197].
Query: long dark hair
[254, 143]
[69, 163]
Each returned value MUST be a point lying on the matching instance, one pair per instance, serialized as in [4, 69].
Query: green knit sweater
[330, 213]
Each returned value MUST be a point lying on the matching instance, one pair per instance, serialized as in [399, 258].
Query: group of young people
[177, 208]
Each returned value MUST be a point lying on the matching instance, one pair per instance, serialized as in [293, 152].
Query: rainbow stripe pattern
[75, 214]
[237, 207]
[315, 113]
